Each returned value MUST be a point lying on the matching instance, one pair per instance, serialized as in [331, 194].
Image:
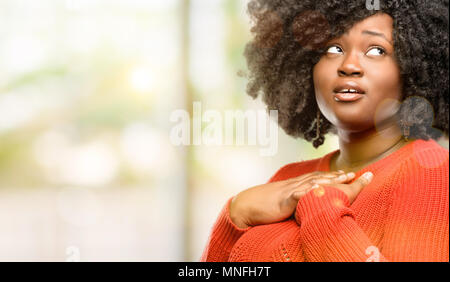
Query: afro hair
[288, 40]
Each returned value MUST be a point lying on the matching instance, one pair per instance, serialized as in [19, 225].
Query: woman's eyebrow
[377, 34]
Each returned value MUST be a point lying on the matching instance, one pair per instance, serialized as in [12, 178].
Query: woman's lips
[348, 91]
[347, 97]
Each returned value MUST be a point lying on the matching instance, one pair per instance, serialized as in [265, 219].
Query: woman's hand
[353, 189]
[276, 201]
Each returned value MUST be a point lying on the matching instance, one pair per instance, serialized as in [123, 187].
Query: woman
[375, 78]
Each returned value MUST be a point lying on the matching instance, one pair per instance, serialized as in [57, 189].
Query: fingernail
[315, 186]
[351, 174]
[368, 175]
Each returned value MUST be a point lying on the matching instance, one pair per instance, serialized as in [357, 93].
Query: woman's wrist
[236, 215]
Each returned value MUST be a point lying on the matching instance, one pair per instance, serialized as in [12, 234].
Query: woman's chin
[353, 124]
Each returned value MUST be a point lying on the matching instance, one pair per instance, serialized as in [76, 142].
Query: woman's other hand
[353, 189]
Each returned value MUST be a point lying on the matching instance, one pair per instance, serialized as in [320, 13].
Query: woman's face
[357, 81]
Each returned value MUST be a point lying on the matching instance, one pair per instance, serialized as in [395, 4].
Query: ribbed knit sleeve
[416, 225]
[328, 230]
[225, 233]
[223, 236]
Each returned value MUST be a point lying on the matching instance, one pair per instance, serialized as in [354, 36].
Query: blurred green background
[87, 170]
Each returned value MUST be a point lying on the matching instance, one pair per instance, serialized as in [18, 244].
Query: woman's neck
[360, 149]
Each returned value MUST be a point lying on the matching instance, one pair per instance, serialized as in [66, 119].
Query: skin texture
[363, 55]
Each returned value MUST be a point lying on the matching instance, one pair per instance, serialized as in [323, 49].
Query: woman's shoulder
[431, 144]
[425, 170]
[428, 154]
[423, 175]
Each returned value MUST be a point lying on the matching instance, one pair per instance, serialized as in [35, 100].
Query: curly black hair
[288, 40]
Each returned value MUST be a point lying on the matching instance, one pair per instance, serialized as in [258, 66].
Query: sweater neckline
[324, 164]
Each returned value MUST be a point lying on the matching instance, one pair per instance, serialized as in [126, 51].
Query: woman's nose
[350, 66]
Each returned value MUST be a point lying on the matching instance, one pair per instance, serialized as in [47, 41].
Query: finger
[327, 179]
[340, 179]
[328, 175]
[297, 194]
[362, 182]
[316, 174]
[294, 184]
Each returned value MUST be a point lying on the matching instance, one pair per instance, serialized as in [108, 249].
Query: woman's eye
[377, 51]
[334, 50]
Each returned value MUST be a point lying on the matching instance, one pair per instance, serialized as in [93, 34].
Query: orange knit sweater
[402, 215]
